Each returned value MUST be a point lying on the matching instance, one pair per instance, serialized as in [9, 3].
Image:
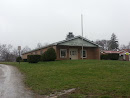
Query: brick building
[70, 49]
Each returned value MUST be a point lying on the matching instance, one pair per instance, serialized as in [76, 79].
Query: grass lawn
[89, 77]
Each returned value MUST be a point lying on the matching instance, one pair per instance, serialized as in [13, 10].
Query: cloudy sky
[28, 22]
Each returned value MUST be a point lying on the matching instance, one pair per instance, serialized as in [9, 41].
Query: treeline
[9, 54]
[111, 44]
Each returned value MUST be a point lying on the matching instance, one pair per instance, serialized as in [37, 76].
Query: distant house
[70, 49]
[110, 52]
[125, 55]
[110, 55]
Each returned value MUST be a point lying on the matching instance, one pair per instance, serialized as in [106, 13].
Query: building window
[63, 53]
[84, 54]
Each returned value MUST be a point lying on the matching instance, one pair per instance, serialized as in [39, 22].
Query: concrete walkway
[11, 84]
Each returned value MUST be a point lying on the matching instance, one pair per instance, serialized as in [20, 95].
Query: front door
[73, 54]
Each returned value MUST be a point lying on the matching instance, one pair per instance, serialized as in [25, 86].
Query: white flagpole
[82, 32]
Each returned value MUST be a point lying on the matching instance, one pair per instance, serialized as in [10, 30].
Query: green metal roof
[76, 41]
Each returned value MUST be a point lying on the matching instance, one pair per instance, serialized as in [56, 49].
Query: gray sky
[28, 22]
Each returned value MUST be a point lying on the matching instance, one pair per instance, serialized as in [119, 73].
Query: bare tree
[6, 53]
[103, 43]
[125, 46]
[111, 44]
[25, 49]
[15, 52]
[45, 44]
[128, 46]
[39, 45]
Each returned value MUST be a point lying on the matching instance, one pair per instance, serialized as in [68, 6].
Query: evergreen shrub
[33, 58]
[113, 56]
[24, 60]
[18, 59]
[49, 55]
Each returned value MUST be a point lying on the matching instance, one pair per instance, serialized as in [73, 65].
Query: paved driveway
[11, 84]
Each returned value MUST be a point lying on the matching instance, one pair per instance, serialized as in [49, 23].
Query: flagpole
[82, 32]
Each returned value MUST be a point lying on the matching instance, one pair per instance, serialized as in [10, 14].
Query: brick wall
[92, 53]
[37, 52]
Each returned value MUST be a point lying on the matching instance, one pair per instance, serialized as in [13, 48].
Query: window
[84, 54]
[63, 53]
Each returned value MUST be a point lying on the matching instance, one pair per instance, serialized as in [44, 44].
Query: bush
[24, 60]
[33, 58]
[104, 57]
[49, 55]
[18, 59]
[113, 56]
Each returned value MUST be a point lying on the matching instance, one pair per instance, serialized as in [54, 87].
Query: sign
[127, 53]
[19, 47]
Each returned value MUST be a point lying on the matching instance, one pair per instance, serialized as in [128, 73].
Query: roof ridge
[56, 43]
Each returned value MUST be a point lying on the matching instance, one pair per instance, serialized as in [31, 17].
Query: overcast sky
[28, 22]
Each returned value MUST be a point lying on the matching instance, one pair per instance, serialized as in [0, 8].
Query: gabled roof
[64, 41]
[60, 42]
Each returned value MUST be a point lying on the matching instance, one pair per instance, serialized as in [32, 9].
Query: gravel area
[11, 84]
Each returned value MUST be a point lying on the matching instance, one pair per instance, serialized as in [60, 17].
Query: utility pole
[82, 33]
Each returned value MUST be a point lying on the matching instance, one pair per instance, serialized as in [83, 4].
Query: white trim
[73, 54]
[124, 56]
[65, 52]
[85, 53]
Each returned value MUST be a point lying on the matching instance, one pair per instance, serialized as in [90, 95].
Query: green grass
[104, 79]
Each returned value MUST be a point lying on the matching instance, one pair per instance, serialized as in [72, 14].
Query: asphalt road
[11, 84]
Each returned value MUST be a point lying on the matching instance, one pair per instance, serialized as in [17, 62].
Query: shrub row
[33, 58]
[113, 56]
[49, 55]
[20, 59]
